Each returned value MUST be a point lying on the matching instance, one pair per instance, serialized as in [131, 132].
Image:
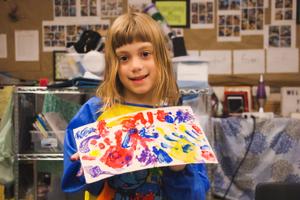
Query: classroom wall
[31, 13]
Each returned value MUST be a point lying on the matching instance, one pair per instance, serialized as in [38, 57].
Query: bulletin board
[20, 15]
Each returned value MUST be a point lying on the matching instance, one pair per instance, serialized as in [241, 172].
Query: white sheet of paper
[219, 61]
[3, 46]
[27, 45]
[282, 60]
[248, 61]
[192, 71]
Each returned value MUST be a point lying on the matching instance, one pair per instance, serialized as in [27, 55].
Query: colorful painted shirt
[152, 184]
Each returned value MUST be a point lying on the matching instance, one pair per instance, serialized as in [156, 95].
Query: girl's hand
[177, 168]
[75, 157]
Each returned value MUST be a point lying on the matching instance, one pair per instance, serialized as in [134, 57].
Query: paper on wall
[27, 45]
[219, 61]
[3, 46]
[249, 61]
[283, 60]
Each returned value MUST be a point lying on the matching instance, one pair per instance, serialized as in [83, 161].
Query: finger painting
[151, 138]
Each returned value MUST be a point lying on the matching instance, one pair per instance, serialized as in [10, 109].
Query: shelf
[50, 156]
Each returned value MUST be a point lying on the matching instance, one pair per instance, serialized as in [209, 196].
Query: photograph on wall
[283, 11]
[159, 137]
[111, 8]
[54, 36]
[57, 35]
[89, 8]
[280, 36]
[202, 14]
[229, 26]
[138, 5]
[253, 15]
[229, 5]
[64, 8]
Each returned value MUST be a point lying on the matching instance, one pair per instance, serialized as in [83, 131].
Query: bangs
[130, 33]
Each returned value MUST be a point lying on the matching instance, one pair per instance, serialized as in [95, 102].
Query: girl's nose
[136, 64]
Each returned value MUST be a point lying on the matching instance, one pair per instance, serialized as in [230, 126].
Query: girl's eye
[146, 54]
[123, 58]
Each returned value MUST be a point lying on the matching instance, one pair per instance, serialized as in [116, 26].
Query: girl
[138, 76]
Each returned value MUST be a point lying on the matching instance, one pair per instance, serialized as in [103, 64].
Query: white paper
[219, 61]
[248, 61]
[283, 12]
[283, 60]
[3, 46]
[27, 45]
[202, 14]
[192, 71]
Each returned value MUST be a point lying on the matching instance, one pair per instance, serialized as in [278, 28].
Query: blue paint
[164, 145]
[191, 134]
[169, 119]
[162, 156]
[83, 146]
[169, 139]
[177, 135]
[143, 133]
[125, 143]
[187, 148]
[83, 133]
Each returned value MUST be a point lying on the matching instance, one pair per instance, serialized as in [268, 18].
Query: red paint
[107, 141]
[86, 157]
[101, 146]
[150, 117]
[102, 128]
[207, 155]
[161, 115]
[116, 156]
[196, 128]
[93, 142]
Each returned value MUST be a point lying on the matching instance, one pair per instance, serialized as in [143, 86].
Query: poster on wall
[111, 8]
[56, 35]
[152, 138]
[283, 12]
[175, 12]
[253, 15]
[280, 36]
[202, 14]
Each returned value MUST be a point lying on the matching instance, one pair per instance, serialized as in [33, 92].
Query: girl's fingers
[75, 157]
[80, 172]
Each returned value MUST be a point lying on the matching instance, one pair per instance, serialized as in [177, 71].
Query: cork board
[31, 13]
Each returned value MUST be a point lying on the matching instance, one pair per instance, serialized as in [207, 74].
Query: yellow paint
[95, 153]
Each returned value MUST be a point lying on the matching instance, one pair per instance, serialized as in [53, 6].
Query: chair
[277, 191]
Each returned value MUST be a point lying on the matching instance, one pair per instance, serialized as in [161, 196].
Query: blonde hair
[137, 27]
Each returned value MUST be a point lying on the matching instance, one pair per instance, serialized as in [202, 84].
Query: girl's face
[137, 72]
